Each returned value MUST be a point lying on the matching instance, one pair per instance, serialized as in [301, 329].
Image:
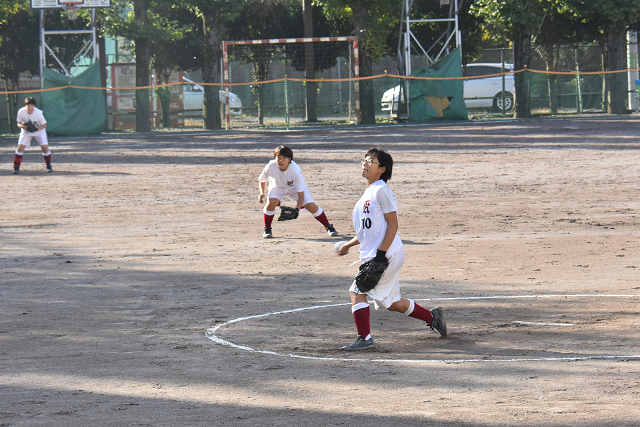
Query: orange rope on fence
[574, 73]
[29, 91]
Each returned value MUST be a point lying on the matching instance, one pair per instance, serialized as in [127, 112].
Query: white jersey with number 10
[369, 222]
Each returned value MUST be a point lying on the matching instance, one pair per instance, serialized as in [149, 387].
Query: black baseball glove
[287, 213]
[370, 274]
[31, 127]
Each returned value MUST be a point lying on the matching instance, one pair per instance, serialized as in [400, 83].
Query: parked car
[478, 93]
[194, 98]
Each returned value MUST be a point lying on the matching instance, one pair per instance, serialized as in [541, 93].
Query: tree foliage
[10, 7]
[372, 21]
[612, 18]
[213, 18]
[146, 22]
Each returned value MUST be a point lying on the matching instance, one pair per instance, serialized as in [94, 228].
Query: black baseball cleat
[438, 323]
[360, 344]
[16, 171]
[331, 231]
[49, 168]
[267, 233]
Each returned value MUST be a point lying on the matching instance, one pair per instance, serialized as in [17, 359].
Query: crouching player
[285, 179]
[32, 124]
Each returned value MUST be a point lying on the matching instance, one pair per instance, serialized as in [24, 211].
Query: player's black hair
[30, 100]
[283, 150]
[384, 159]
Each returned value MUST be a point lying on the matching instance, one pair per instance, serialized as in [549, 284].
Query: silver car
[193, 98]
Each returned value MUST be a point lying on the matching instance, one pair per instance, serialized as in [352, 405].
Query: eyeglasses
[368, 161]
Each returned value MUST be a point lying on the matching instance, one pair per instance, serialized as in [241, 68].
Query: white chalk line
[211, 334]
[519, 322]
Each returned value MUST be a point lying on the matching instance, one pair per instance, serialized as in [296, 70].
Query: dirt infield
[137, 290]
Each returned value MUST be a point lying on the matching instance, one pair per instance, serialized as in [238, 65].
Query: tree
[179, 53]
[372, 21]
[18, 54]
[518, 19]
[268, 19]
[19, 49]
[559, 27]
[214, 17]
[612, 18]
[142, 21]
[9, 8]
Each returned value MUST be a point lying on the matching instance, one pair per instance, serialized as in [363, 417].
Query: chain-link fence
[561, 81]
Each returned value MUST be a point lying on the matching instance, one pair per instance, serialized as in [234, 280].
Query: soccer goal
[283, 82]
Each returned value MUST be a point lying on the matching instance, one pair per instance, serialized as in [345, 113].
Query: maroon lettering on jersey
[366, 206]
[290, 183]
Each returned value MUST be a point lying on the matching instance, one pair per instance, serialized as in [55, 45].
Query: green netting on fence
[438, 99]
[73, 111]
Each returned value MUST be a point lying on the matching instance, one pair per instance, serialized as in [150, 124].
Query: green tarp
[438, 99]
[72, 111]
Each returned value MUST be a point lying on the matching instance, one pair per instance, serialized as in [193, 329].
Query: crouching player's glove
[287, 213]
[371, 271]
[31, 127]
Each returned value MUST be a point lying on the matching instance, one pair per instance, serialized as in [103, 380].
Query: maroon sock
[17, 160]
[421, 313]
[268, 219]
[361, 317]
[47, 160]
[323, 219]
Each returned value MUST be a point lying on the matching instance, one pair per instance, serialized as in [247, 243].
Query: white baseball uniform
[285, 183]
[370, 226]
[37, 118]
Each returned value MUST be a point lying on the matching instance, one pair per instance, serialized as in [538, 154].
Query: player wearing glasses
[375, 220]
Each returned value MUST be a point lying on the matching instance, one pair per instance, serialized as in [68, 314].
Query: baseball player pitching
[375, 220]
[285, 179]
[32, 125]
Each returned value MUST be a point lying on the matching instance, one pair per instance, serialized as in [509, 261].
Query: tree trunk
[142, 69]
[603, 58]
[552, 62]
[617, 60]
[367, 101]
[521, 54]
[212, 53]
[261, 104]
[309, 64]
[12, 101]
[261, 67]
[102, 57]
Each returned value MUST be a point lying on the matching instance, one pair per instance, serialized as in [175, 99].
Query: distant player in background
[375, 220]
[32, 125]
[285, 179]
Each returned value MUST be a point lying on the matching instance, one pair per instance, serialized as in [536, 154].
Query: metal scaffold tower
[408, 42]
[71, 7]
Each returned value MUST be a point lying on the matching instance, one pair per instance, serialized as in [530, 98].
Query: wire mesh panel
[268, 86]
[567, 85]
[288, 82]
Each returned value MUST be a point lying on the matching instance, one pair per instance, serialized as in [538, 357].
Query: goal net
[291, 82]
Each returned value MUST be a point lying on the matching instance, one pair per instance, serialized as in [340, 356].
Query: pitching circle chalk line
[211, 334]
